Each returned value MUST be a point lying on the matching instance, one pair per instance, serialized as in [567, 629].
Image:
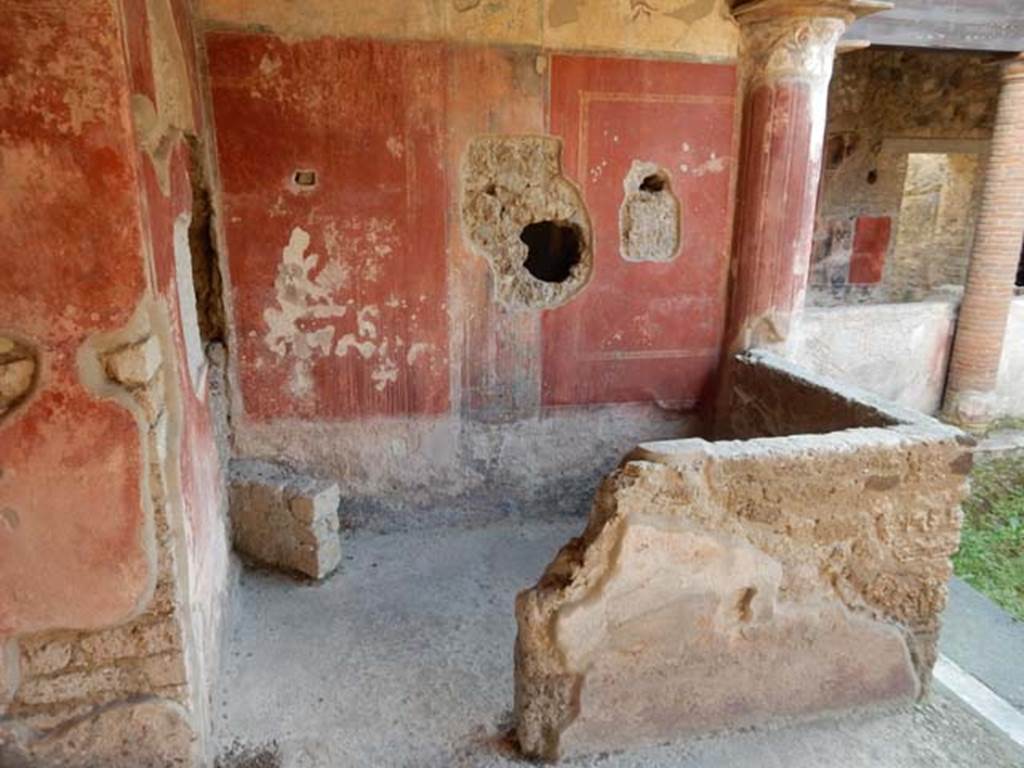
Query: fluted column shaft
[786, 54]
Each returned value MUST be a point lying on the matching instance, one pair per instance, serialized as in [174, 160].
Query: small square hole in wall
[304, 178]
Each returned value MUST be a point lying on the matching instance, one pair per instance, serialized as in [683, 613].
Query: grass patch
[991, 556]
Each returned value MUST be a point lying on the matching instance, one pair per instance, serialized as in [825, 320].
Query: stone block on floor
[284, 519]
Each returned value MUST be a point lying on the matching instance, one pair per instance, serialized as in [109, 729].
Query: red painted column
[981, 328]
[786, 53]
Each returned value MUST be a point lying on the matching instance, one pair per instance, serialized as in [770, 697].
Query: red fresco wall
[491, 91]
[199, 466]
[333, 285]
[643, 331]
[340, 290]
[870, 246]
[71, 548]
[80, 207]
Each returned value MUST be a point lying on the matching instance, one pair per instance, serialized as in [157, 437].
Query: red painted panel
[643, 331]
[72, 544]
[493, 90]
[339, 290]
[870, 246]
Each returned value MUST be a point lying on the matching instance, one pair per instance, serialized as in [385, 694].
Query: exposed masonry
[649, 219]
[513, 183]
[110, 683]
[18, 373]
[709, 571]
[284, 519]
[872, 131]
[206, 275]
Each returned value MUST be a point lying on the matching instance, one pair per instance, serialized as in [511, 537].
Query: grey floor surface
[985, 641]
[404, 658]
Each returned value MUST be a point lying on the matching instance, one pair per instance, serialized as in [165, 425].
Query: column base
[972, 410]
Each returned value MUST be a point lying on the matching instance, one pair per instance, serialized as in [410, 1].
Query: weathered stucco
[901, 351]
[66, 121]
[647, 330]
[338, 283]
[370, 341]
[694, 28]
[897, 351]
[709, 572]
[1010, 384]
[390, 470]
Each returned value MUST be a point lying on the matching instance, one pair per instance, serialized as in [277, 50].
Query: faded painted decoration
[337, 265]
[676, 27]
[64, 145]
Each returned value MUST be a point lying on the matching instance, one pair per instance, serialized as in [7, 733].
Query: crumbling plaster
[509, 183]
[67, 122]
[333, 287]
[649, 219]
[90, 679]
[19, 372]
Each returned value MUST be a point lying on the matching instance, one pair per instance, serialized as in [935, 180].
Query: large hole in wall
[554, 249]
[649, 218]
[526, 219]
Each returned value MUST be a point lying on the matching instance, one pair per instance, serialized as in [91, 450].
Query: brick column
[981, 328]
[786, 53]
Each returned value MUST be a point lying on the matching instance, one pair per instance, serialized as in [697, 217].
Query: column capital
[795, 38]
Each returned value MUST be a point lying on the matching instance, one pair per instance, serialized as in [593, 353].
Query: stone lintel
[845, 10]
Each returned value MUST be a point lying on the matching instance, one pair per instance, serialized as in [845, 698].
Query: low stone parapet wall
[724, 584]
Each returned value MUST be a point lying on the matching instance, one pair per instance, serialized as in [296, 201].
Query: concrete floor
[984, 640]
[1001, 443]
[404, 658]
